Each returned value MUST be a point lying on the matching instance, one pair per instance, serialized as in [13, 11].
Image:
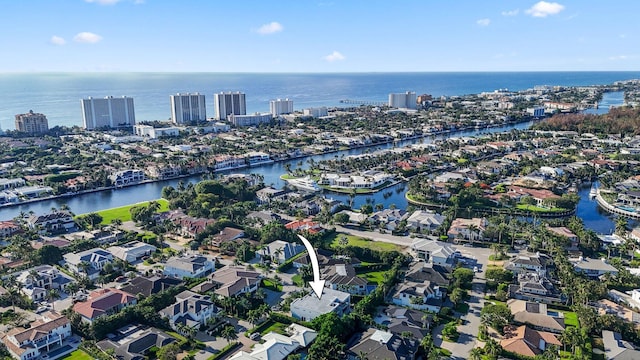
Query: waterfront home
[103, 302]
[536, 315]
[54, 222]
[184, 224]
[192, 266]
[37, 281]
[133, 342]
[526, 341]
[132, 251]
[470, 229]
[424, 221]
[279, 251]
[593, 267]
[190, 309]
[367, 180]
[305, 225]
[543, 198]
[310, 307]
[8, 228]
[615, 348]
[274, 346]
[51, 331]
[231, 281]
[434, 252]
[380, 344]
[89, 262]
[255, 158]
[563, 232]
[161, 172]
[388, 219]
[226, 162]
[127, 177]
[269, 194]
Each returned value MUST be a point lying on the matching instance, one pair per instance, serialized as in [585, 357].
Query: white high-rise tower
[186, 108]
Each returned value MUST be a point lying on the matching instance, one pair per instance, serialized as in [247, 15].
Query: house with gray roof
[617, 349]
[593, 267]
[536, 315]
[343, 277]
[435, 252]
[231, 281]
[37, 281]
[132, 342]
[310, 307]
[379, 344]
[148, 286]
[89, 262]
[424, 221]
[279, 251]
[423, 295]
[192, 266]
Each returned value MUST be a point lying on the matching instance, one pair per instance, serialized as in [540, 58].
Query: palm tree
[52, 296]
[472, 232]
[492, 347]
[475, 354]
[229, 333]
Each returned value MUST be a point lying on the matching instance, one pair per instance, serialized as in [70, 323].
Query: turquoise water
[58, 95]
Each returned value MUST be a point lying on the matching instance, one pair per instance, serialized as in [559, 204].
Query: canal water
[588, 210]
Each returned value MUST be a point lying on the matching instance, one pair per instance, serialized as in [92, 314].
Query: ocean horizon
[58, 94]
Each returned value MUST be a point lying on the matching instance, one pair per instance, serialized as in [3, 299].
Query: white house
[421, 296]
[310, 307]
[193, 266]
[435, 252]
[190, 309]
[424, 221]
[37, 281]
[127, 177]
[279, 251]
[94, 260]
[52, 330]
[132, 251]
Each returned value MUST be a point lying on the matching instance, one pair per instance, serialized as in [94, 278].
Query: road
[471, 321]
[377, 236]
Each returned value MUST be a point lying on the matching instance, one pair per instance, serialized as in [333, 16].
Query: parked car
[254, 336]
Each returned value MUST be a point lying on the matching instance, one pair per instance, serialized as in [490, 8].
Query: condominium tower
[277, 107]
[229, 103]
[187, 108]
[32, 123]
[405, 100]
[110, 112]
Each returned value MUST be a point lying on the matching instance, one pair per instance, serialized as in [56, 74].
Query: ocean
[57, 95]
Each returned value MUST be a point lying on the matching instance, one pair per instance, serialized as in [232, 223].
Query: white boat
[306, 183]
[593, 192]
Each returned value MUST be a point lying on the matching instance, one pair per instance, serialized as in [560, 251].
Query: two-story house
[103, 302]
[192, 266]
[37, 281]
[279, 251]
[55, 222]
[89, 262]
[49, 332]
[231, 281]
[310, 306]
[190, 309]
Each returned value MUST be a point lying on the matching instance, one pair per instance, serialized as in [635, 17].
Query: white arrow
[317, 285]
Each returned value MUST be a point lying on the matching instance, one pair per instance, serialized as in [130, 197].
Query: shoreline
[415, 137]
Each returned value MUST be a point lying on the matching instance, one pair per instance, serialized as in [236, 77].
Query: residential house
[148, 286]
[132, 251]
[343, 277]
[269, 194]
[190, 309]
[184, 224]
[617, 349]
[435, 252]
[37, 281]
[192, 266]
[103, 302]
[419, 295]
[8, 228]
[424, 221]
[388, 219]
[89, 262]
[304, 225]
[126, 177]
[134, 341]
[605, 306]
[274, 346]
[420, 271]
[593, 267]
[543, 198]
[310, 306]
[526, 341]
[522, 264]
[50, 332]
[380, 344]
[228, 234]
[536, 315]
[563, 232]
[231, 281]
[55, 222]
[401, 320]
[533, 287]
[279, 251]
[263, 217]
[470, 229]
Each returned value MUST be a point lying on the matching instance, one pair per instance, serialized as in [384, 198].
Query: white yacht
[593, 192]
[306, 183]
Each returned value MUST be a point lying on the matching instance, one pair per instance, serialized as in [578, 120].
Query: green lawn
[362, 242]
[123, 213]
[374, 277]
[571, 319]
[78, 355]
[534, 208]
[297, 279]
[271, 285]
[276, 327]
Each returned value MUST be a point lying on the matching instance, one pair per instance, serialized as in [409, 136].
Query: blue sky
[318, 36]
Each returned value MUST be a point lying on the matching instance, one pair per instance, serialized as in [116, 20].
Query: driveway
[471, 321]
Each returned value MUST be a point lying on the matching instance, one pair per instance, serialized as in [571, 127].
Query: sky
[318, 36]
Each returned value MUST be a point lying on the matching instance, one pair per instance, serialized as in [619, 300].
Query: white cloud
[334, 56]
[544, 9]
[510, 12]
[57, 40]
[483, 22]
[87, 38]
[270, 28]
[619, 57]
[103, 2]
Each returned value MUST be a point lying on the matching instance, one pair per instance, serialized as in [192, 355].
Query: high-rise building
[229, 103]
[405, 100]
[278, 107]
[110, 112]
[186, 108]
[32, 123]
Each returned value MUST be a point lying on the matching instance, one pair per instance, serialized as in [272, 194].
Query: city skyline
[291, 36]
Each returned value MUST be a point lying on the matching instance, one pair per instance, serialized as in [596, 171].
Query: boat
[306, 183]
[593, 192]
